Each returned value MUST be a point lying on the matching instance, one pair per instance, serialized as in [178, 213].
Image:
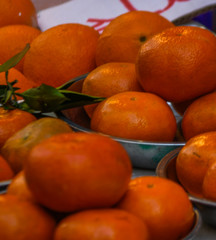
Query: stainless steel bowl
[196, 227]
[166, 168]
[4, 185]
[143, 154]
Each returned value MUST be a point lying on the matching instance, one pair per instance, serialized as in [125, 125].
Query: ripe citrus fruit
[109, 79]
[17, 12]
[135, 115]
[123, 36]
[176, 63]
[200, 116]
[23, 83]
[112, 224]
[17, 147]
[19, 187]
[193, 161]
[13, 39]
[61, 53]
[209, 183]
[11, 121]
[69, 172]
[162, 204]
[6, 172]
[23, 220]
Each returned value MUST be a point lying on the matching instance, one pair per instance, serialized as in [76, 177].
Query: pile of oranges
[62, 181]
[72, 189]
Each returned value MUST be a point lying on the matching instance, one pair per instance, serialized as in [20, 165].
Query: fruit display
[80, 110]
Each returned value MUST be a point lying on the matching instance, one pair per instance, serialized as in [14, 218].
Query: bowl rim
[78, 127]
[161, 172]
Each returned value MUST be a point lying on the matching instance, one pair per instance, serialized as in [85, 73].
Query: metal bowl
[196, 227]
[166, 168]
[4, 185]
[143, 154]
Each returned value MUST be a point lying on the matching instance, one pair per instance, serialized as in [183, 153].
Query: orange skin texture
[23, 220]
[13, 39]
[209, 183]
[178, 64]
[18, 146]
[69, 172]
[19, 187]
[61, 53]
[200, 116]
[194, 160]
[23, 83]
[135, 115]
[109, 79]
[17, 12]
[162, 204]
[6, 172]
[109, 224]
[12, 121]
[123, 36]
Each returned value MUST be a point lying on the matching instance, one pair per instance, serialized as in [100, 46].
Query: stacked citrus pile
[64, 182]
[73, 189]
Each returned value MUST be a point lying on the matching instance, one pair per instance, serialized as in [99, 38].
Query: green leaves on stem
[44, 98]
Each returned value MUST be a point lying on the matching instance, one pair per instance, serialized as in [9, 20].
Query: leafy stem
[44, 98]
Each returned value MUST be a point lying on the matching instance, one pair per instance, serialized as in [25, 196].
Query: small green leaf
[43, 97]
[14, 60]
[69, 83]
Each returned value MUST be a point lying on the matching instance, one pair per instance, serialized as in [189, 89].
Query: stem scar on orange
[162, 204]
[122, 37]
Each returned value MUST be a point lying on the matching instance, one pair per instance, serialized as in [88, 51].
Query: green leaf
[69, 83]
[43, 98]
[14, 60]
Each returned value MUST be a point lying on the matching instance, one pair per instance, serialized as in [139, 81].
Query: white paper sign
[98, 13]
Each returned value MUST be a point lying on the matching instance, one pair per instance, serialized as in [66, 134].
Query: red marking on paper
[100, 24]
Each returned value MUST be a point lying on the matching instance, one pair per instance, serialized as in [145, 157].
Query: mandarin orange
[135, 115]
[61, 53]
[13, 39]
[193, 161]
[122, 37]
[162, 204]
[178, 64]
[112, 224]
[17, 12]
[109, 79]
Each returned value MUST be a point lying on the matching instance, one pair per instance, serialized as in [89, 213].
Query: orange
[23, 83]
[135, 115]
[61, 53]
[6, 172]
[17, 12]
[162, 204]
[19, 187]
[13, 39]
[23, 220]
[209, 183]
[18, 146]
[178, 64]
[123, 36]
[11, 121]
[109, 79]
[200, 116]
[69, 172]
[110, 224]
[193, 161]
